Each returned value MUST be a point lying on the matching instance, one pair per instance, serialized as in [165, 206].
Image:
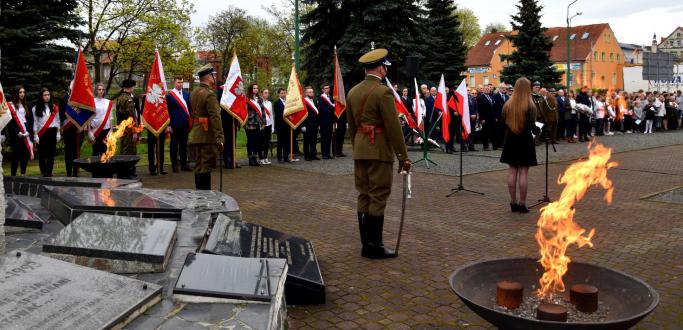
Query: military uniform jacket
[125, 107]
[546, 112]
[379, 111]
[206, 117]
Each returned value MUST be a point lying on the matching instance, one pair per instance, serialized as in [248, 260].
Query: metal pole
[296, 35]
[568, 72]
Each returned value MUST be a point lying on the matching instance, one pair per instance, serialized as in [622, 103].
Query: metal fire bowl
[119, 164]
[629, 299]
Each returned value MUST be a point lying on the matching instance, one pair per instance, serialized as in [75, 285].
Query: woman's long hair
[15, 98]
[516, 109]
[250, 91]
[40, 104]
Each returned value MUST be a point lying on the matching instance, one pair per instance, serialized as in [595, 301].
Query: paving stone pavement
[640, 237]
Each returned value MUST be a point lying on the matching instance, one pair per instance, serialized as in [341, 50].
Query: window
[678, 43]
[608, 38]
[473, 81]
[618, 58]
[486, 80]
[611, 57]
[595, 56]
[555, 38]
[614, 79]
[585, 35]
[488, 42]
[573, 36]
[497, 42]
[602, 56]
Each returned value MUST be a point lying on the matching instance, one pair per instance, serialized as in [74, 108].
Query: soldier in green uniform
[547, 113]
[206, 136]
[376, 138]
[125, 108]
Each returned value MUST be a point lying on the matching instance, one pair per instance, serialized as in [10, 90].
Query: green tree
[444, 50]
[469, 25]
[495, 27]
[531, 57]
[222, 32]
[33, 51]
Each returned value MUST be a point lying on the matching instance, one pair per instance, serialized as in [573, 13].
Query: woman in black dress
[519, 150]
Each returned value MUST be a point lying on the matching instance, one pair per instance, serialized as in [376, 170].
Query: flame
[115, 135]
[556, 227]
[105, 194]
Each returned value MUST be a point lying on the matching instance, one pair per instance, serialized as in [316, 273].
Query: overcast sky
[633, 21]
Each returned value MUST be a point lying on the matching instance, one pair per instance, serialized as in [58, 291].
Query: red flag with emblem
[295, 111]
[233, 99]
[155, 112]
[81, 96]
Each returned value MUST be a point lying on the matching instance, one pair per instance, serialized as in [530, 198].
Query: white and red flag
[441, 104]
[338, 94]
[155, 112]
[234, 101]
[417, 109]
[295, 109]
[400, 107]
[459, 102]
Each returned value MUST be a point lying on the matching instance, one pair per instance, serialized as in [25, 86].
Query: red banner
[81, 96]
[155, 112]
[295, 110]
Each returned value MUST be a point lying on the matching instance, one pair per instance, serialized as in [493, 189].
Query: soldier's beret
[206, 69]
[375, 58]
[128, 83]
[536, 83]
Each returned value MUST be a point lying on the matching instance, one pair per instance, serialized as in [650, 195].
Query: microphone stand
[460, 186]
[546, 198]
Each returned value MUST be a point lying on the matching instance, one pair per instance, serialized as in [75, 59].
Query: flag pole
[291, 143]
[334, 140]
[78, 150]
[234, 143]
[158, 155]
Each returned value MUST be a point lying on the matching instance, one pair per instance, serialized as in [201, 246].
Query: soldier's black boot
[197, 181]
[376, 249]
[205, 183]
[363, 229]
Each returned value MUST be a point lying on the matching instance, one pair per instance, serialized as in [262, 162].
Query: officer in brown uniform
[206, 136]
[376, 137]
[125, 108]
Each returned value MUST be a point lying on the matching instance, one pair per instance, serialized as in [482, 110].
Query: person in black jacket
[73, 139]
[584, 119]
[282, 129]
[310, 128]
[228, 123]
[326, 121]
[485, 106]
[20, 142]
[499, 99]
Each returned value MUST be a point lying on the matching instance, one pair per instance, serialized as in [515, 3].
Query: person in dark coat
[179, 111]
[282, 129]
[228, 123]
[519, 151]
[485, 106]
[584, 118]
[326, 121]
[310, 126]
[20, 131]
[499, 99]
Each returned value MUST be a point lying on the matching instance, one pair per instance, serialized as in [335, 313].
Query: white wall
[633, 80]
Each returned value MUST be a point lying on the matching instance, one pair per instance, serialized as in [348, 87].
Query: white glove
[303, 129]
[59, 137]
[20, 135]
[91, 136]
[2, 139]
[36, 139]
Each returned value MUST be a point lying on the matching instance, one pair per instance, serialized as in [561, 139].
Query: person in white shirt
[661, 111]
[20, 131]
[267, 131]
[101, 122]
[46, 131]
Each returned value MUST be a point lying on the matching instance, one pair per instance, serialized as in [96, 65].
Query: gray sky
[633, 21]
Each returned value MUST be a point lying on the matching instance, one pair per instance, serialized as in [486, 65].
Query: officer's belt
[370, 131]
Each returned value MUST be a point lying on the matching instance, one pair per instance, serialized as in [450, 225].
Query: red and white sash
[99, 130]
[311, 105]
[183, 105]
[22, 129]
[256, 107]
[324, 97]
[54, 112]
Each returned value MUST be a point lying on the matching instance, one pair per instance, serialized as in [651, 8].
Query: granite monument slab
[32, 185]
[17, 214]
[67, 203]
[115, 243]
[38, 292]
[240, 239]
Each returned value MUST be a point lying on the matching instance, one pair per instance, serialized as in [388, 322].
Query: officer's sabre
[406, 194]
[220, 185]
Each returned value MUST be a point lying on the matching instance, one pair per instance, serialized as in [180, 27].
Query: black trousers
[228, 122]
[20, 153]
[339, 135]
[99, 147]
[310, 141]
[453, 128]
[326, 139]
[297, 132]
[46, 151]
[283, 143]
[253, 145]
[266, 134]
[72, 147]
[179, 146]
[152, 151]
[488, 133]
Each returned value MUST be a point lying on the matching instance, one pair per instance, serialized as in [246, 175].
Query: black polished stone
[38, 292]
[250, 279]
[240, 239]
[115, 237]
[17, 214]
[67, 203]
[32, 186]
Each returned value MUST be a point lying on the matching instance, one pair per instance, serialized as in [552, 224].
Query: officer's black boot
[197, 181]
[363, 229]
[205, 183]
[376, 249]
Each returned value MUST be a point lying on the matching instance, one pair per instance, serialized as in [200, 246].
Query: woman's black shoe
[514, 207]
[523, 208]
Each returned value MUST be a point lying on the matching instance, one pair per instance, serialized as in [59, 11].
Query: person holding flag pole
[295, 112]
[155, 116]
[339, 97]
[234, 101]
[76, 112]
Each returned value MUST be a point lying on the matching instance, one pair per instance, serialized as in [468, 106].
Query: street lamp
[569, 71]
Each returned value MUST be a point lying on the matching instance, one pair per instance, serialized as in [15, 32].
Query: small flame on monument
[105, 194]
[115, 135]
[556, 227]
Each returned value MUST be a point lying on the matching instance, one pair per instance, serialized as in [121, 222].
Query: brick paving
[637, 236]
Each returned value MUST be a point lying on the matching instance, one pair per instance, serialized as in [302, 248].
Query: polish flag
[441, 104]
[417, 109]
[338, 94]
[461, 104]
[234, 101]
[400, 107]
[155, 112]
